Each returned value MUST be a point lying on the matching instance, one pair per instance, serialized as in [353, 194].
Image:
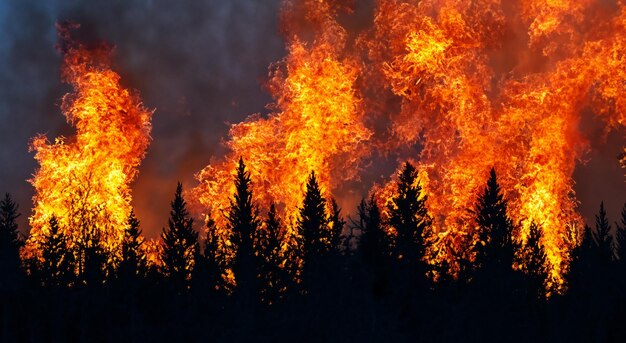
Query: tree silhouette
[10, 243]
[56, 265]
[337, 223]
[535, 269]
[620, 240]
[602, 236]
[133, 263]
[374, 244]
[269, 241]
[94, 258]
[495, 248]
[409, 217]
[180, 243]
[313, 228]
[243, 223]
[207, 273]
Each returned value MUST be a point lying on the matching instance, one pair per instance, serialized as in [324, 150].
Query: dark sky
[200, 64]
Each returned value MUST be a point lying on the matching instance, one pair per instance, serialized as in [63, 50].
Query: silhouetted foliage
[180, 243]
[243, 223]
[10, 244]
[56, 267]
[409, 217]
[207, 273]
[274, 278]
[620, 239]
[602, 236]
[133, 263]
[374, 244]
[495, 247]
[337, 223]
[536, 272]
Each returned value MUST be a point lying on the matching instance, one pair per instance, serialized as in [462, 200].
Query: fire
[316, 125]
[85, 180]
[437, 56]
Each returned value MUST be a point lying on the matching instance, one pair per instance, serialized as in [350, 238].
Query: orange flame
[316, 125]
[85, 180]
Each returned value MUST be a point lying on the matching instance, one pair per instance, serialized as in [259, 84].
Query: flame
[438, 57]
[316, 125]
[85, 180]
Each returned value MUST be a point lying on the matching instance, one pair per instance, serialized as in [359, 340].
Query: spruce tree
[409, 217]
[133, 263]
[620, 239]
[535, 261]
[207, 274]
[313, 228]
[337, 224]
[10, 243]
[56, 265]
[180, 243]
[374, 243]
[603, 237]
[243, 223]
[270, 239]
[94, 257]
[496, 247]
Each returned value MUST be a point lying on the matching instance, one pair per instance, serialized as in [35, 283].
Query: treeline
[365, 278]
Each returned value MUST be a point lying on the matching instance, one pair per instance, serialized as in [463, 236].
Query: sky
[200, 65]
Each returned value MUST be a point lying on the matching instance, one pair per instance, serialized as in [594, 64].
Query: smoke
[200, 66]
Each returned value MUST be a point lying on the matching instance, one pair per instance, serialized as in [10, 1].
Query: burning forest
[412, 176]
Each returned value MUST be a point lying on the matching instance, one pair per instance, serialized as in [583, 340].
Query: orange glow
[84, 180]
[436, 56]
[315, 125]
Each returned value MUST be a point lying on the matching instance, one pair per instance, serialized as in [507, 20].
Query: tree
[243, 223]
[94, 258]
[620, 241]
[602, 236]
[313, 228]
[374, 244]
[180, 243]
[495, 248]
[337, 224]
[56, 267]
[536, 271]
[133, 263]
[207, 274]
[409, 217]
[10, 244]
[269, 242]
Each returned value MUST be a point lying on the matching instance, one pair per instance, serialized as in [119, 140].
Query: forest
[353, 278]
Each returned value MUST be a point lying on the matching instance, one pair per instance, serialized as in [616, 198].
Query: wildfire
[84, 180]
[316, 125]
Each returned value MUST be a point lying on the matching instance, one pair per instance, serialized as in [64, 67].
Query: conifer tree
[10, 243]
[133, 263]
[243, 223]
[337, 224]
[94, 260]
[56, 267]
[374, 243]
[269, 240]
[602, 236]
[535, 261]
[207, 274]
[620, 239]
[313, 227]
[409, 217]
[496, 247]
[180, 243]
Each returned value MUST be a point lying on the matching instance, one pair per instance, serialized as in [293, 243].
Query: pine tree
[56, 267]
[335, 229]
[243, 223]
[602, 236]
[535, 261]
[495, 247]
[584, 262]
[620, 241]
[133, 263]
[10, 243]
[313, 227]
[180, 243]
[374, 243]
[409, 217]
[207, 274]
[269, 240]
[94, 258]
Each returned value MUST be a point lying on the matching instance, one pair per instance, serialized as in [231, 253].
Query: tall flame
[85, 180]
[316, 125]
[438, 57]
